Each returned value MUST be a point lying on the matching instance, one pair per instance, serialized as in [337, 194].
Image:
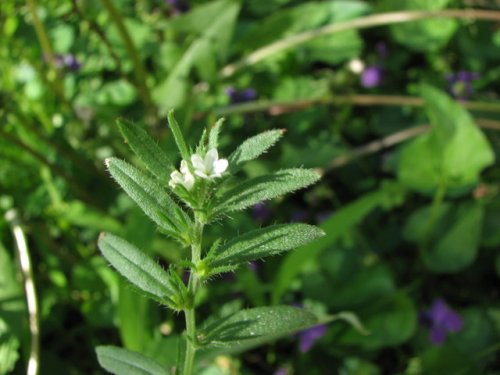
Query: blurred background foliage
[401, 114]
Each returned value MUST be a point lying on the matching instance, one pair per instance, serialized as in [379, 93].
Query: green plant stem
[139, 70]
[12, 216]
[43, 38]
[277, 108]
[193, 287]
[358, 23]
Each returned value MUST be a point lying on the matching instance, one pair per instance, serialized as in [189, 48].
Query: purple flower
[66, 61]
[261, 211]
[299, 216]
[240, 96]
[281, 371]
[178, 6]
[460, 84]
[440, 319]
[322, 216]
[371, 76]
[308, 337]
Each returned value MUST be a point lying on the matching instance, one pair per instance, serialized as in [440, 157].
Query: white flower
[211, 167]
[184, 177]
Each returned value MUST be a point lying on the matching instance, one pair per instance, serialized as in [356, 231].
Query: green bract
[182, 201]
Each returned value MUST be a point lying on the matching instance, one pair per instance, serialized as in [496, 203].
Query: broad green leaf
[453, 158]
[179, 138]
[253, 327]
[263, 188]
[423, 35]
[151, 197]
[390, 322]
[211, 44]
[450, 235]
[339, 224]
[137, 267]
[153, 157]
[125, 362]
[264, 242]
[254, 147]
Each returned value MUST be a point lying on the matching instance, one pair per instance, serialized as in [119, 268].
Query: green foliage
[254, 147]
[263, 188]
[253, 327]
[263, 242]
[451, 156]
[139, 269]
[424, 35]
[125, 362]
[151, 197]
[148, 151]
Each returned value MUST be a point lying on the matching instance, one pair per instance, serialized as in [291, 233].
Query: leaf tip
[107, 162]
[102, 236]
[283, 131]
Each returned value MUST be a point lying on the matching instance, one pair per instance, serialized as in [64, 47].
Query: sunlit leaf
[153, 157]
[249, 328]
[264, 242]
[263, 188]
[137, 267]
[151, 197]
[125, 362]
[254, 147]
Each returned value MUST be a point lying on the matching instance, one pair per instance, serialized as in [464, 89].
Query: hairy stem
[193, 286]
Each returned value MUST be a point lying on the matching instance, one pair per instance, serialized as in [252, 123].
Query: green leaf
[339, 224]
[254, 147]
[264, 242]
[390, 322]
[125, 362]
[137, 267]
[452, 154]
[263, 188]
[151, 197]
[453, 243]
[210, 45]
[253, 327]
[213, 136]
[153, 157]
[423, 35]
[179, 138]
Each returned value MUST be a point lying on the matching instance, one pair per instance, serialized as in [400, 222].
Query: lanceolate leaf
[253, 147]
[264, 187]
[179, 138]
[249, 328]
[125, 362]
[153, 157]
[264, 242]
[151, 197]
[137, 267]
[213, 136]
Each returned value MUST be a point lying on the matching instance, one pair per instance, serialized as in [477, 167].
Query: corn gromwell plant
[182, 202]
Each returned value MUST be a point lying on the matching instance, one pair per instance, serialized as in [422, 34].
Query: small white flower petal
[210, 158]
[220, 166]
[201, 174]
[198, 163]
[188, 180]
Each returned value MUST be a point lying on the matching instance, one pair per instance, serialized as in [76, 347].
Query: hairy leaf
[125, 362]
[179, 138]
[213, 136]
[151, 197]
[253, 147]
[264, 242]
[263, 188]
[137, 267]
[249, 328]
[153, 157]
